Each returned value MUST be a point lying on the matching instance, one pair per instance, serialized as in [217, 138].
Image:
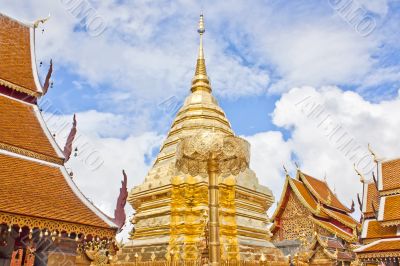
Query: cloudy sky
[304, 81]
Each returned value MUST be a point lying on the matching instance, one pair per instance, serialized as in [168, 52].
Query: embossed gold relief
[295, 221]
[19, 88]
[188, 203]
[31, 154]
[52, 225]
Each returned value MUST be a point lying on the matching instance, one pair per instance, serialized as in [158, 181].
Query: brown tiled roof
[306, 195]
[33, 189]
[382, 246]
[392, 208]
[345, 255]
[343, 218]
[20, 128]
[322, 191]
[335, 230]
[391, 174]
[375, 230]
[334, 243]
[15, 54]
[372, 197]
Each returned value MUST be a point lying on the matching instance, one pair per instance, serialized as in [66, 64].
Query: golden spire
[200, 80]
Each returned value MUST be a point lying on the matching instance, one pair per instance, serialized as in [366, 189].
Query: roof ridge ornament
[362, 178]
[376, 159]
[43, 20]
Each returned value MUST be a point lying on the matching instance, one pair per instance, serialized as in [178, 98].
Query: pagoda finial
[200, 80]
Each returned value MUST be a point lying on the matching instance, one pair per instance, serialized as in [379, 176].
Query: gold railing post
[213, 194]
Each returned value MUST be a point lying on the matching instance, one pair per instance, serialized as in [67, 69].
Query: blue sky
[262, 57]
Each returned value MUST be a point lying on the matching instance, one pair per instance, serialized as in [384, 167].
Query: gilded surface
[295, 221]
[172, 203]
[53, 225]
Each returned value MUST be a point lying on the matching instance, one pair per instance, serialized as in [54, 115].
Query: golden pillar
[213, 203]
[213, 154]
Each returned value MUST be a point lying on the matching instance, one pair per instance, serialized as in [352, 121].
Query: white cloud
[102, 155]
[148, 49]
[318, 154]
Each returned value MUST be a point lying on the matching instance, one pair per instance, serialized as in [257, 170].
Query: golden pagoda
[380, 206]
[312, 225]
[200, 199]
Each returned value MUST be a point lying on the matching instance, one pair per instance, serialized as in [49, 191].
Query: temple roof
[382, 226]
[36, 188]
[381, 248]
[45, 191]
[17, 56]
[322, 192]
[324, 215]
[332, 247]
[390, 175]
[24, 132]
[389, 210]
[371, 198]
[372, 229]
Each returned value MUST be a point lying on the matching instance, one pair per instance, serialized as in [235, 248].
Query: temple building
[181, 214]
[312, 225]
[44, 217]
[380, 206]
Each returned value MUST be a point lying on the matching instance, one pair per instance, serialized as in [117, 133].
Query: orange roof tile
[20, 128]
[391, 209]
[381, 246]
[15, 54]
[33, 189]
[375, 230]
[372, 197]
[321, 191]
[391, 174]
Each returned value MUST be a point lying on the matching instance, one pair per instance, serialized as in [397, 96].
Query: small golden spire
[200, 80]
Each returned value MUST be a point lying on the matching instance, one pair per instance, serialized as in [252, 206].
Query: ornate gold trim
[189, 109]
[193, 117]
[280, 202]
[54, 225]
[389, 192]
[385, 254]
[390, 223]
[338, 232]
[303, 201]
[19, 88]
[337, 217]
[31, 154]
[176, 131]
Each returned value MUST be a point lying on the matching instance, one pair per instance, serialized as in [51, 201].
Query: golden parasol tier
[213, 154]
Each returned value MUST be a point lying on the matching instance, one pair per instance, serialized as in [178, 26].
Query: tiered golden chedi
[172, 219]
